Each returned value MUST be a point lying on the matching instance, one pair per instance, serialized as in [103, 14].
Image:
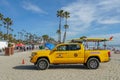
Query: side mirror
[54, 49]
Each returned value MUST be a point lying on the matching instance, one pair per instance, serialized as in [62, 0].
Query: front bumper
[33, 59]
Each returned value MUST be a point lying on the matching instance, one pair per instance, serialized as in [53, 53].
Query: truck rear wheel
[42, 64]
[93, 63]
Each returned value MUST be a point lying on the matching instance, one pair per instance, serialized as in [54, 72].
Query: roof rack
[78, 40]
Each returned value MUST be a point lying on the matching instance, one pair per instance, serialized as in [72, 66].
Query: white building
[3, 44]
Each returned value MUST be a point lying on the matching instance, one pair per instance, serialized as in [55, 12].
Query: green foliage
[7, 22]
[10, 45]
[1, 16]
[83, 37]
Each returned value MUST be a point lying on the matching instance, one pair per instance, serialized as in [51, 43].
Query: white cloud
[100, 28]
[109, 4]
[71, 34]
[32, 7]
[109, 21]
[81, 16]
[109, 11]
[116, 37]
[86, 13]
[84, 16]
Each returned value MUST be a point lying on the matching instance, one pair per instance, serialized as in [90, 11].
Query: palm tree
[83, 37]
[1, 19]
[64, 36]
[21, 35]
[0, 24]
[66, 26]
[18, 35]
[1, 35]
[5, 36]
[23, 31]
[10, 37]
[58, 32]
[30, 37]
[60, 14]
[27, 36]
[11, 30]
[7, 22]
[14, 35]
[1, 16]
[45, 38]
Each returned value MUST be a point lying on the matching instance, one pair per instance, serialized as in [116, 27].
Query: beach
[11, 68]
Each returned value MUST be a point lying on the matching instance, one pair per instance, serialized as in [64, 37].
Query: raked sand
[11, 68]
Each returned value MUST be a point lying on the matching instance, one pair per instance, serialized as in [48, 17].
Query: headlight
[33, 53]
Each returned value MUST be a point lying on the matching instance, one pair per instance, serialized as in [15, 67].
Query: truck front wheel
[93, 63]
[42, 64]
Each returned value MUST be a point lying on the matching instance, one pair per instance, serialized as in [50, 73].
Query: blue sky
[91, 18]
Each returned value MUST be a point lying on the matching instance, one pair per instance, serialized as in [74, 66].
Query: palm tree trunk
[64, 37]
[60, 31]
[66, 21]
[7, 32]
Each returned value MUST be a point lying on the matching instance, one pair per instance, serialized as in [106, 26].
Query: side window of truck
[63, 48]
[74, 47]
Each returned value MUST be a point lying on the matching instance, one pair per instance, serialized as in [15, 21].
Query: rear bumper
[106, 60]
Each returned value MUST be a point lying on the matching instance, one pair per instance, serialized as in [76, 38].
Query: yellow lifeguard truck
[76, 51]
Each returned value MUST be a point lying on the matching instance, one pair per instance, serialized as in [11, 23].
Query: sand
[11, 68]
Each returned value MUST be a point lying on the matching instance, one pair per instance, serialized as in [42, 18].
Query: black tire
[42, 64]
[35, 64]
[93, 63]
[85, 64]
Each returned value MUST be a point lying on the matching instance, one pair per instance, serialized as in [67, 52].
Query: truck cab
[68, 54]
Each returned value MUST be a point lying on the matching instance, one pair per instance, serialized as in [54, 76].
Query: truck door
[61, 54]
[75, 53]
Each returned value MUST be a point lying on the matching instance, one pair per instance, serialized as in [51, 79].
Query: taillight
[109, 54]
